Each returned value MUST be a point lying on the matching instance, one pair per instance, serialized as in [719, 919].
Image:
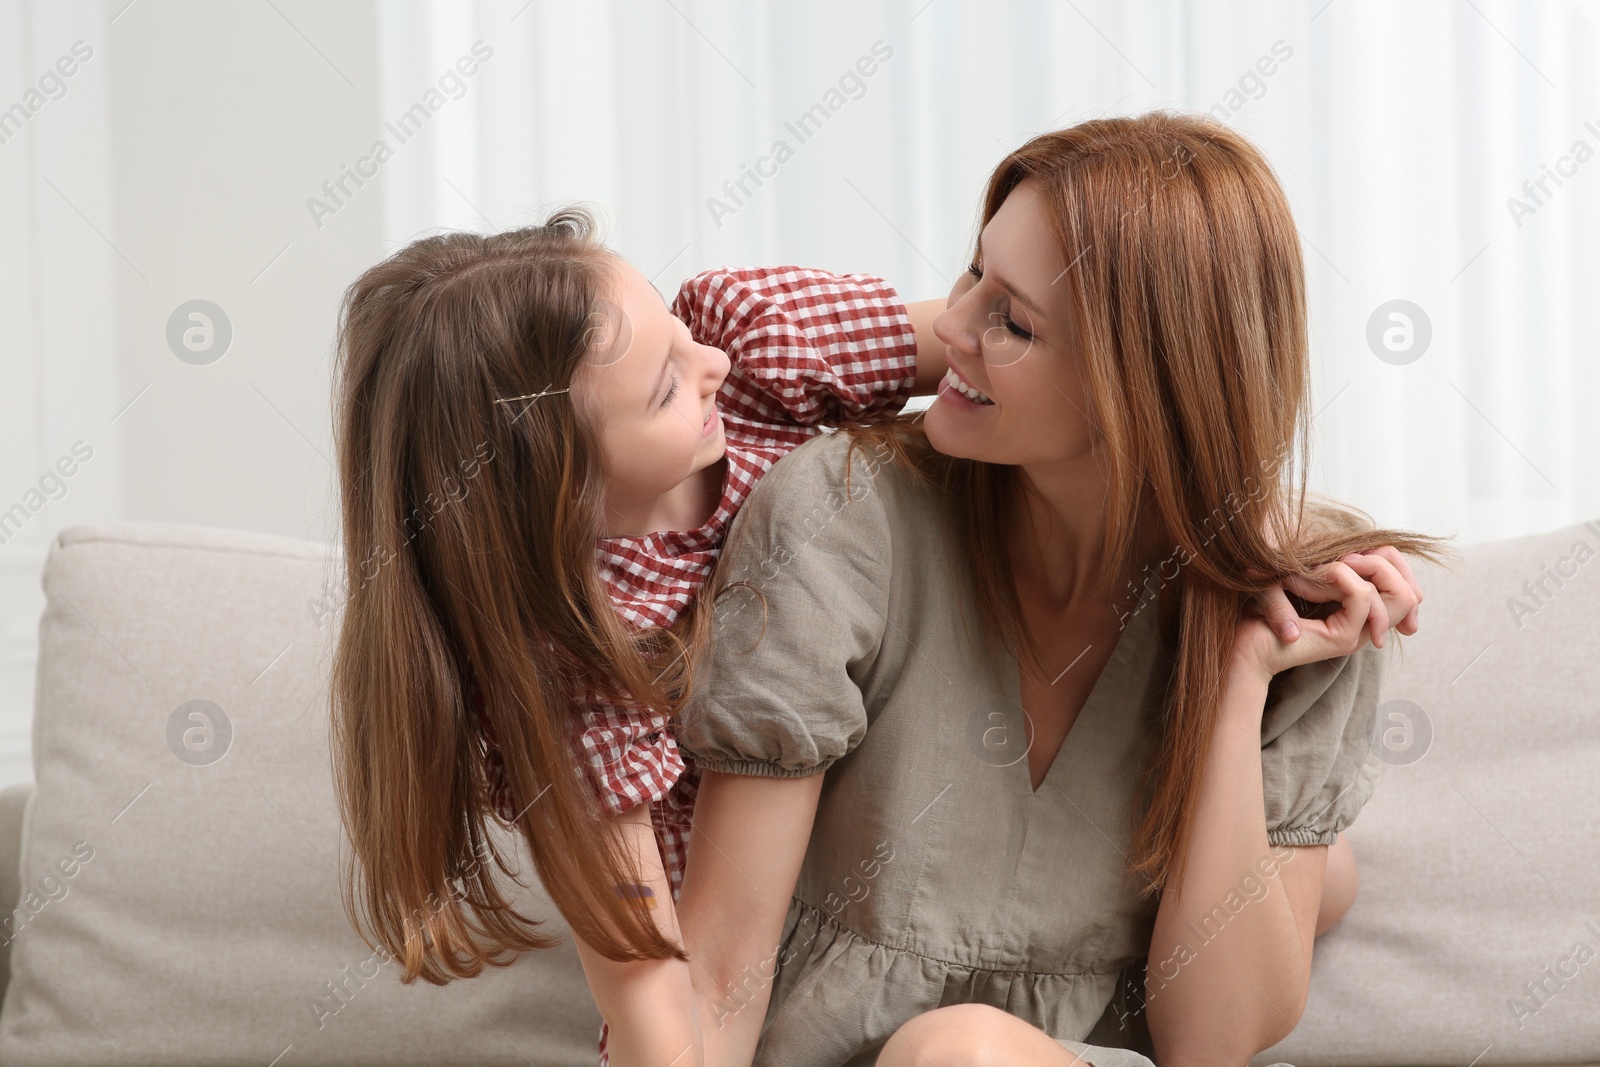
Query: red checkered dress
[807, 349]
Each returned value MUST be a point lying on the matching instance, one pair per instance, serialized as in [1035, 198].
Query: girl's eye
[975, 270]
[671, 392]
[1017, 330]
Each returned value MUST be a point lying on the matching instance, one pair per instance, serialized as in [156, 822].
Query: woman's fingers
[1398, 595]
[1362, 601]
[1401, 564]
[1312, 588]
[1279, 613]
[1381, 572]
[1359, 603]
[1407, 625]
[1376, 591]
[1377, 608]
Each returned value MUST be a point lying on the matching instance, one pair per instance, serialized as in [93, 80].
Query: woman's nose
[956, 328]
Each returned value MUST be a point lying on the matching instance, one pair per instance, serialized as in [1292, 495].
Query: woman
[1038, 596]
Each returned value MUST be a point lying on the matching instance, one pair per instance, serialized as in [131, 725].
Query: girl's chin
[711, 453]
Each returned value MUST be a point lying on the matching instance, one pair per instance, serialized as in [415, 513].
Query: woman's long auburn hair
[469, 529]
[1188, 291]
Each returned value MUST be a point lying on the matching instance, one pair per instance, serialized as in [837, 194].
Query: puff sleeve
[779, 692]
[1318, 765]
[629, 754]
[806, 347]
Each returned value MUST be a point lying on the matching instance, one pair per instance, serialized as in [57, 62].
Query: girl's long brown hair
[1188, 292]
[469, 529]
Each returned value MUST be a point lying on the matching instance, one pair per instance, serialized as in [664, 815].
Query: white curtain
[1403, 132]
[59, 393]
[1441, 152]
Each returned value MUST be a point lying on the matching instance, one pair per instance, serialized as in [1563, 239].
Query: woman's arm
[1230, 955]
[1223, 984]
[799, 612]
[647, 1004]
[750, 836]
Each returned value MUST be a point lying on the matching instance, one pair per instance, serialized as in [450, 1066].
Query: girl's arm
[647, 1004]
[932, 359]
[750, 836]
[1229, 969]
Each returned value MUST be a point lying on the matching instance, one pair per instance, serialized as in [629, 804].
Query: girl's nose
[716, 365]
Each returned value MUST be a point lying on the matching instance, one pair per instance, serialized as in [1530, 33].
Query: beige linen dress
[935, 874]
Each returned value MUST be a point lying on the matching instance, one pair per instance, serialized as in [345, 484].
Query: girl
[538, 462]
[1021, 641]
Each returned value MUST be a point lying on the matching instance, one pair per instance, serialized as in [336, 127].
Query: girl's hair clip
[530, 396]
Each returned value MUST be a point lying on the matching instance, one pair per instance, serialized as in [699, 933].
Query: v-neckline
[1116, 665]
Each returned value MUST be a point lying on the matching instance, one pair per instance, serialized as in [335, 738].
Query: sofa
[169, 886]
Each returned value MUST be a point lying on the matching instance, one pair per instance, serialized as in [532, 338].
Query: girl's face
[1011, 339]
[650, 392]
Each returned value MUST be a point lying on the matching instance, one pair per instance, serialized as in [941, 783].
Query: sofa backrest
[201, 920]
[1475, 935]
[179, 889]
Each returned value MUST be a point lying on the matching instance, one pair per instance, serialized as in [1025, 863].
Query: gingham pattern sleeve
[628, 755]
[807, 347]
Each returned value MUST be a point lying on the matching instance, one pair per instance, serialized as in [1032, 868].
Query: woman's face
[1011, 339]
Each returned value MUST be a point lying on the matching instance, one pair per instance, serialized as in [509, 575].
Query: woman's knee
[1339, 884]
[961, 1035]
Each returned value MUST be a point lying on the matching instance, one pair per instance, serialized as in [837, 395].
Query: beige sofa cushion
[1476, 932]
[13, 806]
[201, 920]
[207, 920]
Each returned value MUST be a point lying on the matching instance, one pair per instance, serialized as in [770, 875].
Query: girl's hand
[1375, 591]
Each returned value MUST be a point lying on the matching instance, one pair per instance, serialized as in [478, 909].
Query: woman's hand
[1375, 591]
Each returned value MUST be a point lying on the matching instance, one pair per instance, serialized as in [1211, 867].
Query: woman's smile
[960, 392]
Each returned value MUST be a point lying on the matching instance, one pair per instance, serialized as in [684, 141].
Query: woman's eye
[975, 270]
[671, 392]
[1017, 330]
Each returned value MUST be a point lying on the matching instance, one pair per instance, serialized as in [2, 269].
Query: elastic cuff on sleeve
[1304, 835]
[758, 768]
